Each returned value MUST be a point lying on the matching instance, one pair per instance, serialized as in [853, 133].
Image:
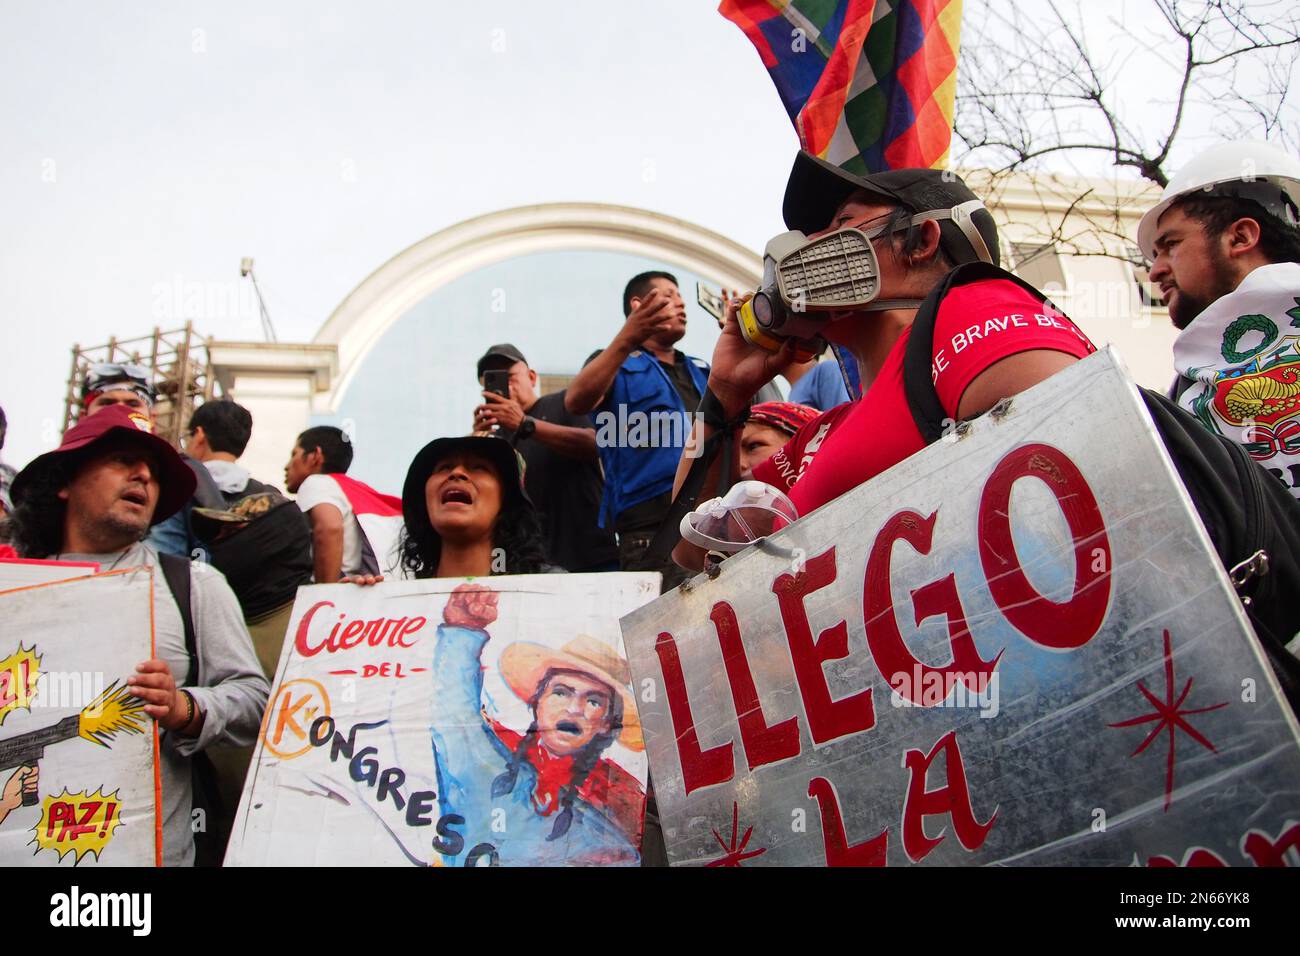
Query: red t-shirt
[977, 325]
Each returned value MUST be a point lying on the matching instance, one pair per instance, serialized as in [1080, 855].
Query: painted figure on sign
[21, 785]
[547, 795]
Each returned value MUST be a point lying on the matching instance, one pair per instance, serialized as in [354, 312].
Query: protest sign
[78, 754]
[20, 572]
[449, 723]
[1015, 647]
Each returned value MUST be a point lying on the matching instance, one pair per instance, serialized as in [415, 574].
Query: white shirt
[324, 490]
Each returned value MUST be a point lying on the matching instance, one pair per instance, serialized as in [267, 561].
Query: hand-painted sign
[1015, 647]
[450, 723]
[78, 754]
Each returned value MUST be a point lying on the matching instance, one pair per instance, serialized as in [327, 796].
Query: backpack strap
[176, 572]
[206, 492]
[719, 443]
[205, 788]
[932, 420]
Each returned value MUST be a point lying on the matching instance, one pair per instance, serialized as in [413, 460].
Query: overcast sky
[147, 146]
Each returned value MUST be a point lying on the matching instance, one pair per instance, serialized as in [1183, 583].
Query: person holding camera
[562, 473]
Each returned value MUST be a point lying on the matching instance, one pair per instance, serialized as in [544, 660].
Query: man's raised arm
[588, 388]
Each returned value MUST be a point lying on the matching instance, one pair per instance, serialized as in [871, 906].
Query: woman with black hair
[466, 513]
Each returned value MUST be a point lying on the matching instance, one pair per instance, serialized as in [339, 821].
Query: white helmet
[1247, 170]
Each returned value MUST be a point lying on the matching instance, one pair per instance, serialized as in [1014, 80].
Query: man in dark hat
[94, 499]
[129, 385]
[563, 472]
[991, 338]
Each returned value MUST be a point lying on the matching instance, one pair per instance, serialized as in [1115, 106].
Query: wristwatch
[526, 427]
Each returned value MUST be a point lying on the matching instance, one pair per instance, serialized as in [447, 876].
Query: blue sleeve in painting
[467, 753]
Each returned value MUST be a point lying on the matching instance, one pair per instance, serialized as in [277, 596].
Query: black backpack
[269, 558]
[1252, 519]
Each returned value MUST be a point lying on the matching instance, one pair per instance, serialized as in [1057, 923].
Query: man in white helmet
[1224, 242]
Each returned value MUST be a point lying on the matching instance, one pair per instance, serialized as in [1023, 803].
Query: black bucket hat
[816, 188]
[509, 465]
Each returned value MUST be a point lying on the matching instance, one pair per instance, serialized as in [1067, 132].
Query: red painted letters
[896, 663]
[1268, 852]
[699, 768]
[953, 799]
[827, 718]
[763, 744]
[392, 631]
[1062, 626]
[838, 851]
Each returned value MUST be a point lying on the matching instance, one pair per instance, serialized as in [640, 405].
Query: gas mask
[805, 280]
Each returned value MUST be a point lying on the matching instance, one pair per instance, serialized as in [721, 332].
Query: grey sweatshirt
[231, 691]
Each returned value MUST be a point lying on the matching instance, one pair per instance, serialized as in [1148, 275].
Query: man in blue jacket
[641, 392]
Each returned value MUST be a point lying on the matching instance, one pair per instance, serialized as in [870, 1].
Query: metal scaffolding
[180, 364]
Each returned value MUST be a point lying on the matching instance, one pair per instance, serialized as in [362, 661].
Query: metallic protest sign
[1015, 647]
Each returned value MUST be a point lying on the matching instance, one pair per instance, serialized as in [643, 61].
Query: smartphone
[497, 381]
[711, 301]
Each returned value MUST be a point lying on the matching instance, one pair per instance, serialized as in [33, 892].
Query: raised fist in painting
[471, 605]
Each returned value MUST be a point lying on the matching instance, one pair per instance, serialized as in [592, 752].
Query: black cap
[816, 188]
[504, 350]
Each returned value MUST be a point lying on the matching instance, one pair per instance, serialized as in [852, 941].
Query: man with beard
[1224, 245]
[640, 391]
[93, 499]
[1225, 250]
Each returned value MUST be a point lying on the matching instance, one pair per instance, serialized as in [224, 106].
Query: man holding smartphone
[562, 474]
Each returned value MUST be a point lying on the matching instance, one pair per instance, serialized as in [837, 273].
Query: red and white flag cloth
[380, 518]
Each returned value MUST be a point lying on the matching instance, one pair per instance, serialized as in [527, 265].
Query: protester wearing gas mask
[863, 254]
[641, 376]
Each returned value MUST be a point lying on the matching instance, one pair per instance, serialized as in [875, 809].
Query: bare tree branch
[1039, 92]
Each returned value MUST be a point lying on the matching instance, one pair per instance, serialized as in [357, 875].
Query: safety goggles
[109, 376]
